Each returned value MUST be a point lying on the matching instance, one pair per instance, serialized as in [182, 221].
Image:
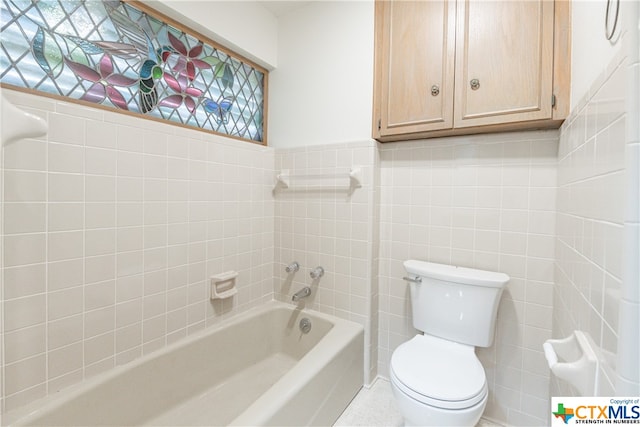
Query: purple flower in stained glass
[187, 60]
[103, 80]
[181, 86]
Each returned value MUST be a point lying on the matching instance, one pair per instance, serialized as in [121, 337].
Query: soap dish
[223, 285]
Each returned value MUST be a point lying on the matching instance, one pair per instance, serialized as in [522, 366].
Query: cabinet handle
[475, 84]
[435, 90]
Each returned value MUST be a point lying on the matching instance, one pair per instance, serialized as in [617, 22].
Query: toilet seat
[439, 373]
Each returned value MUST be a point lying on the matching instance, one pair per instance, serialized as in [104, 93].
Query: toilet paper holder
[574, 360]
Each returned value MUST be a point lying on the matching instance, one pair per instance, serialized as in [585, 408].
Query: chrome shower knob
[293, 267]
[317, 273]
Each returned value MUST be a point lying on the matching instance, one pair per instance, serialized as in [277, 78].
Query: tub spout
[302, 293]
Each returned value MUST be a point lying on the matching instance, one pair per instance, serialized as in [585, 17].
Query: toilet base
[417, 413]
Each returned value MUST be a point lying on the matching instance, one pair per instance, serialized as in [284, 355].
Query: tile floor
[374, 407]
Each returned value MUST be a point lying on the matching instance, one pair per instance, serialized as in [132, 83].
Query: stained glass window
[112, 53]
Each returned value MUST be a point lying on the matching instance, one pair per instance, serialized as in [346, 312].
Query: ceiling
[282, 7]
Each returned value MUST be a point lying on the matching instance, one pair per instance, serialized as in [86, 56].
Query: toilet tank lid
[451, 273]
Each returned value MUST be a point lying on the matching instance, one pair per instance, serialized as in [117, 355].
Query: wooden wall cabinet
[469, 66]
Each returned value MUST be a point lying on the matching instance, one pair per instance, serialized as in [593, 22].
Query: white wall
[244, 26]
[591, 52]
[322, 90]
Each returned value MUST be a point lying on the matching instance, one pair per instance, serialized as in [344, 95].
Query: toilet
[436, 377]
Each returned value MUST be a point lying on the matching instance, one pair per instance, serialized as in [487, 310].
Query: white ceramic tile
[64, 360]
[155, 166]
[23, 312]
[99, 295]
[24, 343]
[128, 337]
[24, 218]
[129, 263]
[22, 186]
[98, 322]
[129, 214]
[99, 161]
[63, 303]
[100, 188]
[99, 134]
[128, 288]
[65, 274]
[100, 215]
[130, 138]
[30, 154]
[23, 249]
[24, 281]
[155, 236]
[99, 348]
[129, 189]
[24, 374]
[65, 216]
[155, 142]
[65, 245]
[65, 187]
[130, 164]
[66, 129]
[65, 158]
[99, 242]
[155, 259]
[64, 332]
[155, 190]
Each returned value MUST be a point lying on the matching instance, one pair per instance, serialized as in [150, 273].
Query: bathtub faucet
[302, 293]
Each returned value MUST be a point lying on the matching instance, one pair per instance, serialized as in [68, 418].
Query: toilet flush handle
[416, 279]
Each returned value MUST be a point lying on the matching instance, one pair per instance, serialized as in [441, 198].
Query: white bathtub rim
[24, 414]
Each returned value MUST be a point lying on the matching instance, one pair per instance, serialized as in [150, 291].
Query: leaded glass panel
[111, 53]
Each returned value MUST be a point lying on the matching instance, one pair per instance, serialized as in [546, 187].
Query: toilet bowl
[436, 382]
[436, 378]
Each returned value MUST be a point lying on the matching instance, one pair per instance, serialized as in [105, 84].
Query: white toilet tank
[455, 303]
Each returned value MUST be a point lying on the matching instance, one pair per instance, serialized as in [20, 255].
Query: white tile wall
[111, 227]
[590, 218]
[485, 202]
[322, 221]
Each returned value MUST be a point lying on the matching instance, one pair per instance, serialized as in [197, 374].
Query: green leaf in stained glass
[47, 53]
[211, 60]
[78, 55]
[227, 77]
[219, 70]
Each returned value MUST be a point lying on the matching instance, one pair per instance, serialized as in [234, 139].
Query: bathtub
[254, 369]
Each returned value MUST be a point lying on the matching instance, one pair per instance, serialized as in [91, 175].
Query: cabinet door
[415, 65]
[504, 61]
